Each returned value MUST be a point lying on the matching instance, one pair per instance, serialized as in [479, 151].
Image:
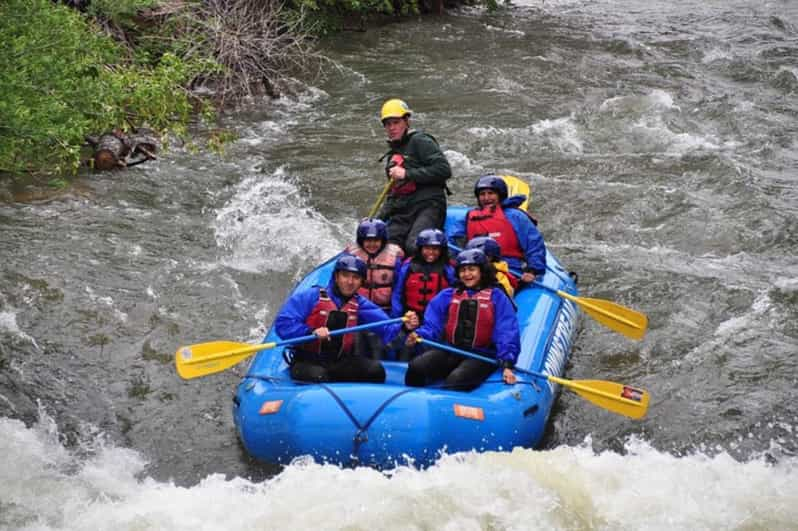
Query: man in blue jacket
[499, 217]
[318, 310]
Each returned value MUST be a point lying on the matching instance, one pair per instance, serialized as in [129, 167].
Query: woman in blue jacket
[474, 315]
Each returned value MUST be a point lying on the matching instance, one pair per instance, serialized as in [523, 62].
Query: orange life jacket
[378, 285]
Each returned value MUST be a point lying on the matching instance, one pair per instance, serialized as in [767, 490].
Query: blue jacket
[397, 308]
[506, 334]
[529, 238]
[290, 321]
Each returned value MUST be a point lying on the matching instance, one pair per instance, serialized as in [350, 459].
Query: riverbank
[78, 69]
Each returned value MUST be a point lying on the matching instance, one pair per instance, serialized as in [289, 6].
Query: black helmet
[491, 182]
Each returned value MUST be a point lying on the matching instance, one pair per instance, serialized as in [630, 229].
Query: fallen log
[117, 149]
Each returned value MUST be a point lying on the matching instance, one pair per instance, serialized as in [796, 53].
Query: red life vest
[326, 313]
[378, 285]
[405, 186]
[492, 222]
[470, 319]
[421, 284]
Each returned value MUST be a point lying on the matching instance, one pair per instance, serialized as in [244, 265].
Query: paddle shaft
[467, 354]
[623, 320]
[614, 397]
[303, 339]
[380, 199]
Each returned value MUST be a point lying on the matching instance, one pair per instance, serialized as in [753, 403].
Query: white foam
[101, 487]
[461, 164]
[8, 324]
[267, 226]
[561, 132]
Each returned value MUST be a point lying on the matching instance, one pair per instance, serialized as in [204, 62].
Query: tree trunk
[119, 150]
[110, 152]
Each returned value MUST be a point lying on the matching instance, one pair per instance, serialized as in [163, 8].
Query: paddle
[380, 199]
[516, 186]
[618, 398]
[198, 360]
[623, 320]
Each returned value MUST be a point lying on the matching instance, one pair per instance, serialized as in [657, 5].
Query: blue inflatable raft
[384, 425]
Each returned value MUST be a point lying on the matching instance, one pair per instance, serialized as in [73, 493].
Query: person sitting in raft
[473, 315]
[488, 245]
[422, 277]
[382, 260]
[500, 218]
[318, 310]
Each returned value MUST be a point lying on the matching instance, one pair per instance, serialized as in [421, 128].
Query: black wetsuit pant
[460, 373]
[405, 223]
[350, 368]
[369, 345]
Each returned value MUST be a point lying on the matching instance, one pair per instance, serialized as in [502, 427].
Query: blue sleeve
[368, 312]
[397, 308]
[290, 321]
[506, 331]
[530, 239]
[435, 316]
[451, 274]
[457, 234]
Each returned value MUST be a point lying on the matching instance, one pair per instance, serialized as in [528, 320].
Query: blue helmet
[487, 245]
[430, 238]
[371, 228]
[492, 182]
[471, 257]
[349, 262]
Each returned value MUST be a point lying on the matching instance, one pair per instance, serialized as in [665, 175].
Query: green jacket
[426, 165]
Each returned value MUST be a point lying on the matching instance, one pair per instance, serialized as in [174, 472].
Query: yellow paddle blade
[622, 399]
[516, 186]
[624, 320]
[202, 359]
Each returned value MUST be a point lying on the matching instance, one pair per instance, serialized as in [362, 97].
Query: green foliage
[62, 80]
[326, 15]
[119, 12]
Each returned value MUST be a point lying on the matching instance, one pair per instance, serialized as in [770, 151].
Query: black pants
[369, 345]
[347, 369]
[461, 373]
[406, 222]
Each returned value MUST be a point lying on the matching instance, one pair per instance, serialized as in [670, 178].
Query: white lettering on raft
[560, 346]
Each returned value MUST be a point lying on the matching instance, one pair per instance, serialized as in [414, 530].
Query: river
[659, 139]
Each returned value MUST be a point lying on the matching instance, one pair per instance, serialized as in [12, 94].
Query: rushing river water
[659, 139]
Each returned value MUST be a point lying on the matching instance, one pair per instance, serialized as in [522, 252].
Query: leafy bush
[63, 80]
[119, 12]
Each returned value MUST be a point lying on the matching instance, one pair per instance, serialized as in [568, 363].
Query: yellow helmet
[394, 108]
